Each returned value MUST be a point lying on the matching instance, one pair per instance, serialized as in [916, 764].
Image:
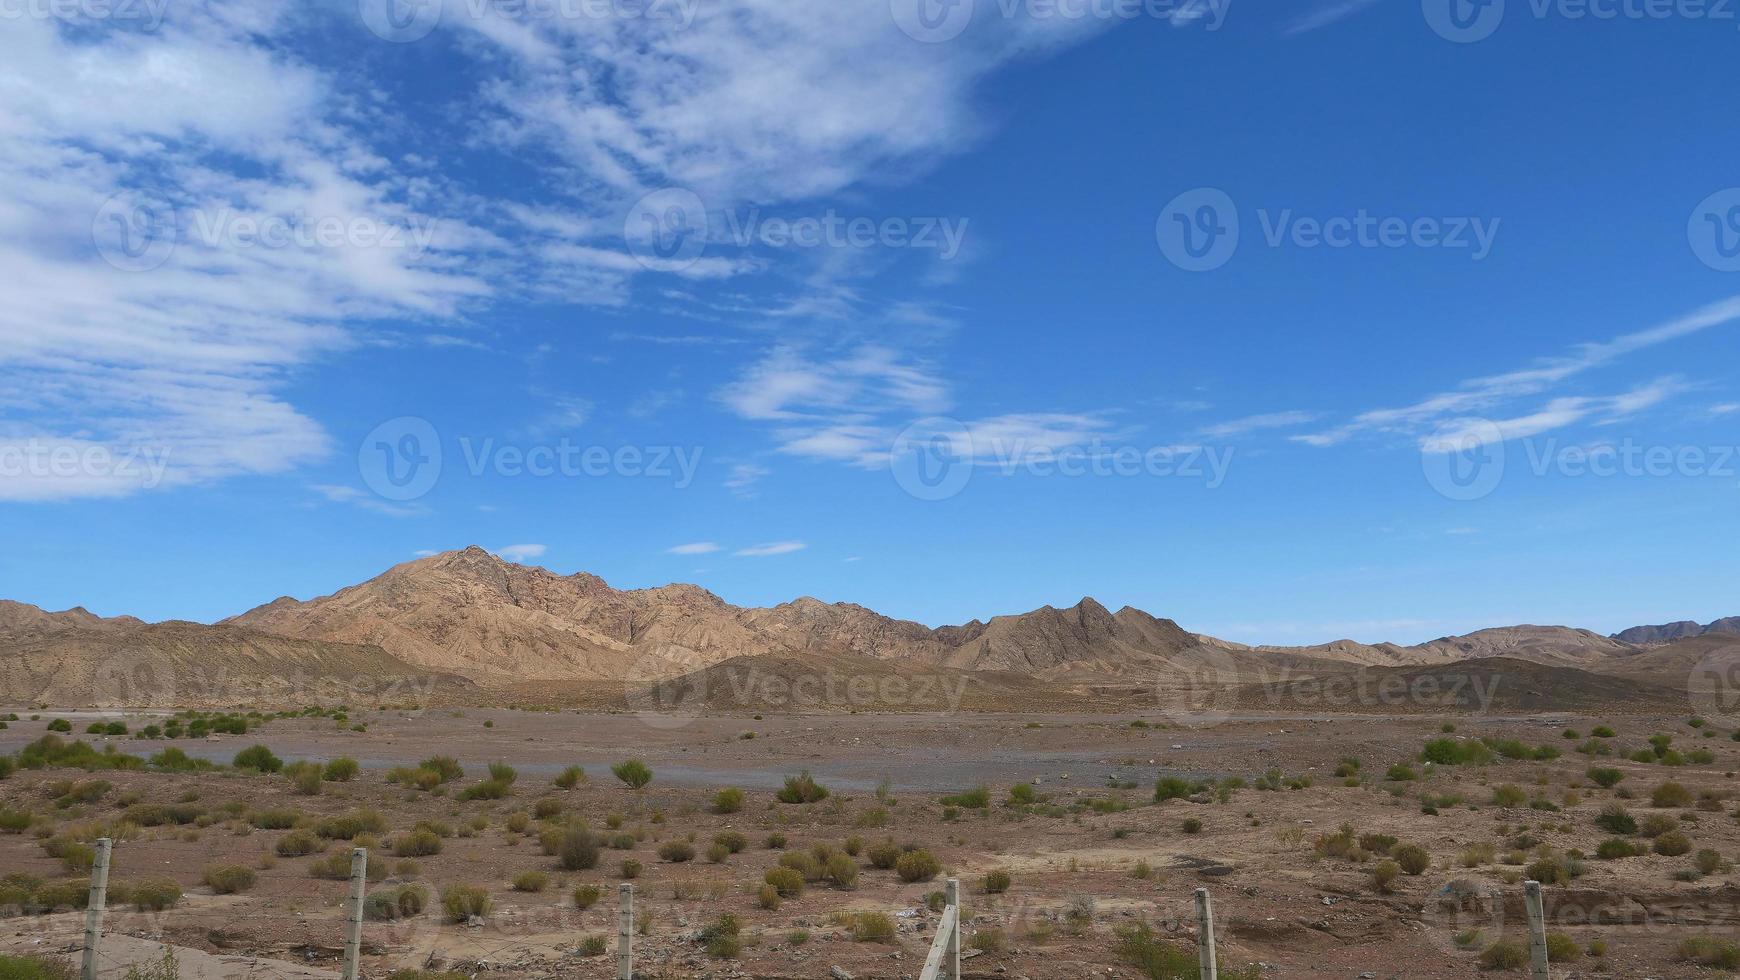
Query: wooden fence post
[359, 878]
[94, 906]
[1205, 935]
[625, 933]
[1537, 930]
[952, 953]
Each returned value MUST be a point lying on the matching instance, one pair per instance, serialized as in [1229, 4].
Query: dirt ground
[1093, 855]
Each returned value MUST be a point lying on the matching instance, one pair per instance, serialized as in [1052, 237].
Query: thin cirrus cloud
[1487, 408]
[770, 549]
[693, 548]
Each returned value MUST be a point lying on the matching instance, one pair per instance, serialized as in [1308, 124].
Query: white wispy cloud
[368, 501]
[521, 552]
[694, 548]
[1252, 423]
[771, 548]
[1474, 403]
[1325, 14]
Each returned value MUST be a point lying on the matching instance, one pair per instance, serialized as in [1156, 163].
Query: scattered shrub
[531, 881]
[230, 879]
[461, 902]
[677, 851]
[257, 758]
[997, 882]
[633, 773]
[801, 789]
[917, 865]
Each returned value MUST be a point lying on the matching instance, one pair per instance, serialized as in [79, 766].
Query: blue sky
[816, 299]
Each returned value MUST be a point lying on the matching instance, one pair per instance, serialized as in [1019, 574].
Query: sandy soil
[1278, 905]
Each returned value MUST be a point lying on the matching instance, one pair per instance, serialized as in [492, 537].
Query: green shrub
[1505, 955]
[35, 968]
[1191, 825]
[274, 819]
[677, 851]
[594, 946]
[884, 855]
[229, 879]
[1401, 772]
[1614, 819]
[789, 883]
[341, 770]
[503, 773]
[1672, 844]
[1413, 858]
[977, 798]
[578, 850]
[728, 801]
[917, 865]
[1508, 795]
[489, 789]
[801, 789]
[630, 868]
[1614, 848]
[1670, 795]
[1383, 875]
[461, 902]
[633, 773]
[841, 870]
[586, 896]
[872, 927]
[531, 881]
[1562, 948]
[418, 843]
[257, 758]
[570, 777]
[154, 894]
[1710, 951]
[1456, 752]
[296, 844]
[347, 826]
[997, 882]
[445, 768]
[1605, 777]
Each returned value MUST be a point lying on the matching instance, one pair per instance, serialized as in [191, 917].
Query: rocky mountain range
[1667, 633]
[476, 622]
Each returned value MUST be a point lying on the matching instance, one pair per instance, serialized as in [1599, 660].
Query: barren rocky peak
[1668, 632]
[20, 616]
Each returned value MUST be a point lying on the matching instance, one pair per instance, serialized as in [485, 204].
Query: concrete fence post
[1537, 930]
[359, 879]
[625, 933]
[1205, 935]
[952, 953]
[94, 907]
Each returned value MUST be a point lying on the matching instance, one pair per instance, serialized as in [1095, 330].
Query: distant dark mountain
[1667, 633]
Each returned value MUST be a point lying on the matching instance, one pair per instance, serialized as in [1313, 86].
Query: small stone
[838, 973]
